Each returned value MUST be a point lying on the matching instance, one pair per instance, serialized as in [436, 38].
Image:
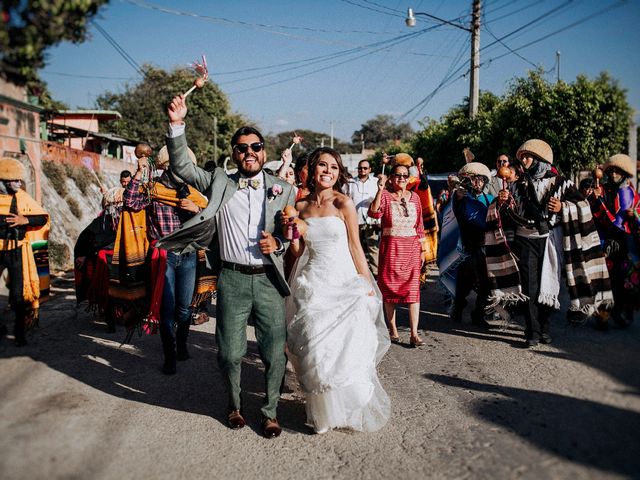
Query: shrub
[82, 177]
[59, 255]
[57, 176]
[74, 206]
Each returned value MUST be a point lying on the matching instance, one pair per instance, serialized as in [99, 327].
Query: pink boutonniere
[274, 191]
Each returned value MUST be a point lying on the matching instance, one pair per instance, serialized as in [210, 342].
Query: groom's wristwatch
[280, 249]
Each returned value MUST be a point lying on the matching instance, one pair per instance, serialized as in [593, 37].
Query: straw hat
[162, 161]
[623, 162]
[403, 159]
[475, 168]
[11, 169]
[539, 148]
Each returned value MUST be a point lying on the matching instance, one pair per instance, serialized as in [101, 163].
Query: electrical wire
[128, 58]
[509, 48]
[254, 26]
[323, 68]
[372, 9]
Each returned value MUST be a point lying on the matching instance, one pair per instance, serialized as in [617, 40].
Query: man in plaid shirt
[180, 273]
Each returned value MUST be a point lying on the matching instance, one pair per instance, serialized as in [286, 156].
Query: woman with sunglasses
[401, 253]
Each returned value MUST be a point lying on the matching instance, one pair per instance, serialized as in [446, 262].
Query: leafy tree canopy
[276, 143]
[381, 130]
[584, 122]
[29, 27]
[144, 112]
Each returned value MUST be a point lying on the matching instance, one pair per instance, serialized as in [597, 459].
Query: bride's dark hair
[314, 158]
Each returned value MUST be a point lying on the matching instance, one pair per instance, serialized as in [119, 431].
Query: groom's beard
[250, 170]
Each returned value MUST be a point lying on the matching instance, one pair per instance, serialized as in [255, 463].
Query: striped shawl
[586, 271]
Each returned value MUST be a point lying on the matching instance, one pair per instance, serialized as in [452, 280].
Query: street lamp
[474, 87]
[411, 19]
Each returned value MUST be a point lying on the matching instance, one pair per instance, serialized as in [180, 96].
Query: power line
[326, 67]
[328, 56]
[373, 9]
[567, 27]
[449, 80]
[255, 26]
[395, 10]
[128, 58]
[77, 75]
[509, 48]
[386, 46]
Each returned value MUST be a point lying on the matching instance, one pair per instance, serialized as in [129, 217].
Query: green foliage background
[144, 112]
[584, 122]
[29, 27]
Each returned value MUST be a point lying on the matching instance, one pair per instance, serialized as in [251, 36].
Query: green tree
[29, 27]
[380, 130]
[144, 112]
[584, 122]
[276, 143]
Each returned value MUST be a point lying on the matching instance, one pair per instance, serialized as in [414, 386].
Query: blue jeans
[179, 283]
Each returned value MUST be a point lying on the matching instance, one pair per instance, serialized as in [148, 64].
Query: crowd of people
[319, 261]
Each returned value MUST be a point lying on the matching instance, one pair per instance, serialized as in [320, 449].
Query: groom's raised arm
[181, 163]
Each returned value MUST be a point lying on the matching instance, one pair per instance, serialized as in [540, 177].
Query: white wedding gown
[336, 333]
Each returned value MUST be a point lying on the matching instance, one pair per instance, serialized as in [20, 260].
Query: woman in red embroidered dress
[401, 248]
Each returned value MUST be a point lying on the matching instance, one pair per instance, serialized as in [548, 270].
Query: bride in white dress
[336, 334]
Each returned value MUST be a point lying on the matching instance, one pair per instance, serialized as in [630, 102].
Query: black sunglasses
[401, 175]
[364, 168]
[244, 147]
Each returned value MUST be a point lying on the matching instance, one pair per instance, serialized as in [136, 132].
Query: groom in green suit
[244, 211]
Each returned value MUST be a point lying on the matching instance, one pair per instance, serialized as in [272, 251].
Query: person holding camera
[168, 203]
[470, 204]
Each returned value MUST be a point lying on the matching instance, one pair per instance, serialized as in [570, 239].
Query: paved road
[471, 404]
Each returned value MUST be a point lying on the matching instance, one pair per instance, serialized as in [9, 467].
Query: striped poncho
[575, 242]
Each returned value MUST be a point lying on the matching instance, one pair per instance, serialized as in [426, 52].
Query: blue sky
[342, 64]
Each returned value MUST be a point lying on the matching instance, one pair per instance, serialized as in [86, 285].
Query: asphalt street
[75, 404]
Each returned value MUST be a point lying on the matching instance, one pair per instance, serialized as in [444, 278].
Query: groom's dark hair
[246, 130]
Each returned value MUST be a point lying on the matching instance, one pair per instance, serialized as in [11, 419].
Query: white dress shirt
[362, 194]
[240, 224]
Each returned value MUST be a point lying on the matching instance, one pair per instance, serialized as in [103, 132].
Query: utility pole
[474, 70]
[558, 66]
[331, 123]
[215, 139]
[474, 84]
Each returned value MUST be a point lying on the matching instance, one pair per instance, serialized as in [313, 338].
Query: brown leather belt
[247, 269]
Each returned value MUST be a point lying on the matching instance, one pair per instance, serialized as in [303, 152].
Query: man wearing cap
[22, 221]
[552, 221]
[470, 203]
[615, 209]
[244, 211]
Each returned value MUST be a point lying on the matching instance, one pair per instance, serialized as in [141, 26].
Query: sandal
[416, 342]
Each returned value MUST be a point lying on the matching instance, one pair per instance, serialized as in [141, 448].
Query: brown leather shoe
[271, 427]
[235, 420]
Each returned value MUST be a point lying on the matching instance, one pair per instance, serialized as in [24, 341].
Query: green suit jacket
[218, 187]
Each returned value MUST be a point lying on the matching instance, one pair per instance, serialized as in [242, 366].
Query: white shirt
[362, 194]
[240, 224]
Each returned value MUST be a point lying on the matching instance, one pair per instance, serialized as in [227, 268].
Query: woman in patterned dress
[401, 248]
